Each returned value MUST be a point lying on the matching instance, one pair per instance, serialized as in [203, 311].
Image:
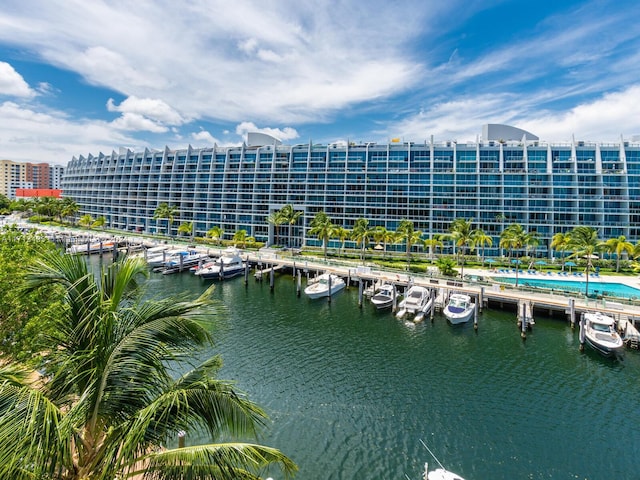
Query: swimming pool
[606, 289]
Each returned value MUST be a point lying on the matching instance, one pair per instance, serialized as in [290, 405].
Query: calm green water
[351, 391]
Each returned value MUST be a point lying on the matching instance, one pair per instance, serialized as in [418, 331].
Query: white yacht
[228, 265]
[416, 301]
[439, 473]
[320, 287]
[601, 335]
[459, 309]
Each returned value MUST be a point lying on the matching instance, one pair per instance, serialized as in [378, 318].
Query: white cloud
[29, 135]
[462, 119]
[282, 134]
[137, 122]
[204, 137]
[12, 84]
[151, 108]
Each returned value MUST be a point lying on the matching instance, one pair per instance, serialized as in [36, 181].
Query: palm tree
[361, 234]
[290, 217]
[186, 228]
[99, 222]
[216, 233]
[86, 221]
[341, 234]
[433, 244]
[380, 235]
[110, 404]
[515, 237]
[463, 237]
[168, 212]
[69, 208]
[482, 239]
[618, 246]
[409, 235]
[276, 219]
[323, 228]
[560, 242]
[585, 243]
[240, 237]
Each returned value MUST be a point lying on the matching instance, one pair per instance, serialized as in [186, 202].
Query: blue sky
[82, 77]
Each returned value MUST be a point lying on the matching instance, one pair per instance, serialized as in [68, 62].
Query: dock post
[360, 292]
[115, 251]
[299, 283]
[394, 301]
[481, 298]
[272, 277]
[329, 284]
[475, 316]
[246, 273]
[348, 278]
[572, 312]
[523, 320]
[582, 327]
[434, 297]
[294, 269]
[181, 263]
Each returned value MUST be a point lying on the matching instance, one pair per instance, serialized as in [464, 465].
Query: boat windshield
[601, 327]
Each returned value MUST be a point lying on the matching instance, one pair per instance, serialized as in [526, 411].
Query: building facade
[13, 175]
[548, 188]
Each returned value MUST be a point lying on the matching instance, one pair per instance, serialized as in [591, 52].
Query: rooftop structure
[548, 188]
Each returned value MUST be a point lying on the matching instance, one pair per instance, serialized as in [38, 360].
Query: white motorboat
[600, 334]
[439, 473]
[417, 300]
[459, 309]
[384, 296]
[180, 261]
[91, 248]
[158, 258]
[228, 265]
[325, 285]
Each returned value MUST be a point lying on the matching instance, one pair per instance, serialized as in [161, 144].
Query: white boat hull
[320, 288]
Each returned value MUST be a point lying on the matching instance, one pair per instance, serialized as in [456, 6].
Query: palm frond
[229, 461]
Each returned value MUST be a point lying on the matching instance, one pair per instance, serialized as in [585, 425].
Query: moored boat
[459, 308]
[601, 335]
[385, 296]
[228, 265]
[439, 473]
[325, 285]
[416, 300]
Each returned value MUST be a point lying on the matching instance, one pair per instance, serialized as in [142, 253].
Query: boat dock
[484, 291]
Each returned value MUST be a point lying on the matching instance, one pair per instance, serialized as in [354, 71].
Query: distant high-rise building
[14, 175]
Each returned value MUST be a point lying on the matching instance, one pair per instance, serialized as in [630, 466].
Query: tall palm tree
[514, 238]
[290, 216]
[380, 235]
[407, 233]
[168, 212]
[186, 228]
[585, 243]
[461, 232]
[341, 234]
[560, 242]
[216, 233]
[110, 403]
[276, 219]
[617, 246]
[361, 234]
[69, 208]
[482, 239]
[323, 228]
[433, 244]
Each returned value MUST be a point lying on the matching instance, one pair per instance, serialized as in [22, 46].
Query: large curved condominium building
[548, 188]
